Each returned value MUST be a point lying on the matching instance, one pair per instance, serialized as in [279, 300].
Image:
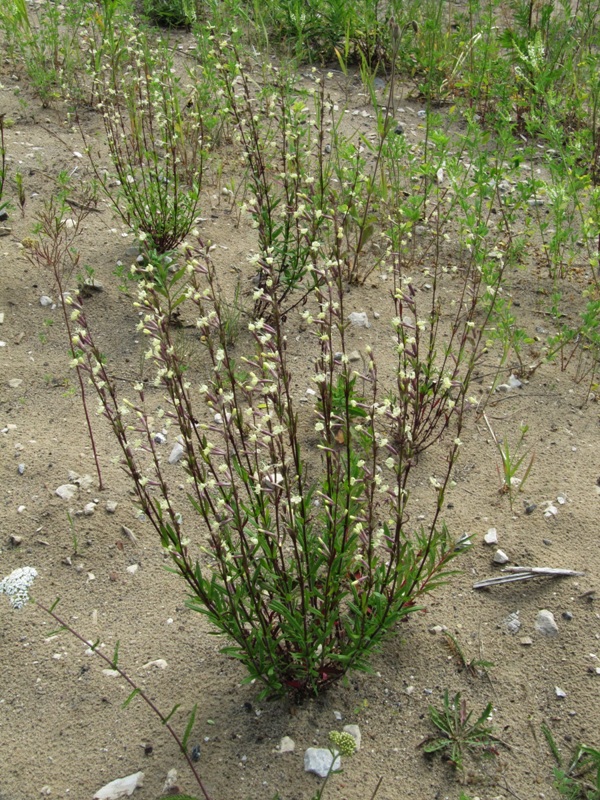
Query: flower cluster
[16, 585]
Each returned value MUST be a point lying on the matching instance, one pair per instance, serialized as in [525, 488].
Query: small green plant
[57, 228]
[474, 666]
[155, 130]
[20, 192]
[46, 39]
[342, 744]
[511, 461]
[579, 779]
[171, 13]
[459, 734]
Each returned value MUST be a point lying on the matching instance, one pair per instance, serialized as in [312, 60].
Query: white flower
[16, 585]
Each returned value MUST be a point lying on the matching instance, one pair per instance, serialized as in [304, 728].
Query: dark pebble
[399, 131]
[530, 508]
[567, 615]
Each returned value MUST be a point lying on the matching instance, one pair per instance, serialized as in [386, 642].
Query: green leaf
[436, 745]
[54, 604]
[170, 714]
[115, 658]
[57, 631]
[137, 690]
[189, 726]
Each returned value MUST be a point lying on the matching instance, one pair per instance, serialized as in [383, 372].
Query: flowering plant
[16, 585]
[305, 572]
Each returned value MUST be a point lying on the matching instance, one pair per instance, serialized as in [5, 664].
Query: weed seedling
[73, 534]
[20, 192]
[459, 735]
[580, 778]
[511, 461]
[476, 667]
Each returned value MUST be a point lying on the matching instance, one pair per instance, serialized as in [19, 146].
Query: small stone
[514, 382]
[121, 787]
[111, 506]
[45, 791]
[551, 512]
[410, 690]
[21, 509]
[321, 761]
[399, 129]
[530, 508]
[359, 319]
[21, 469]
[133, 568]
[338, 715]
[14, 383]
[287, 745]
[128, 533]
[491, 537]
[437, 629]
[354, 356]
[176, 453]
[526, 641]
[83, 481]
[463, 542]
[159, 663]
[45, 301]
[561, 499]
[15, 540]
[170, 786]
[111, 673]
[512, 623]
[159, 438]
[89, 509]
[500, 557]
[67, 491]
[567, 615]
[545, 623]
[354, 731]
[421, 113]
[560, 693]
